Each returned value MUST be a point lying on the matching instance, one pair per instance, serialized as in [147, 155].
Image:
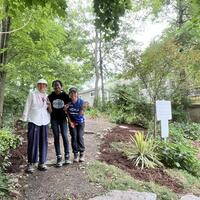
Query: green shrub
[143, 152]
[178, 152]
[128, 105]
[93, 112]
[13, 106]
[179, 155]
[176, 134]
[188, 130]
[7, 141]
[179, 114]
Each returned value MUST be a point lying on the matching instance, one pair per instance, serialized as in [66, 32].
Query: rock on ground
[190, 197]
[126, 195]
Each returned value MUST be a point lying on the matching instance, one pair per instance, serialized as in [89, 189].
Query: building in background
[88, 95]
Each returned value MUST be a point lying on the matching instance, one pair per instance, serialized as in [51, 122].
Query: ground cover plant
[8, 141]
[112, 178]
[191, 183]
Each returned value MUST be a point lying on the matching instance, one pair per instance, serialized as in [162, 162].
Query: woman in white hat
[36, 113]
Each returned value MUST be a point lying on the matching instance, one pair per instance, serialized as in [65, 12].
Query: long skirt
[37, 140]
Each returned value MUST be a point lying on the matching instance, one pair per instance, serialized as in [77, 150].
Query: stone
[15, 193]
[15, 180]
[124, 127]
[126, 195]
[190, 197]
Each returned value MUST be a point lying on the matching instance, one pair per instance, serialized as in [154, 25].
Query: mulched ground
[111, 156]
[18, 156]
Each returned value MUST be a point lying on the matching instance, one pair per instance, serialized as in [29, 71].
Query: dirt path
[67, 182]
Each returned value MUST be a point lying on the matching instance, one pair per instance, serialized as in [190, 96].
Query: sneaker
[30, 168]
[82, 158]
[75, 158]
[42, 167]
[67, 162]
[59, 161]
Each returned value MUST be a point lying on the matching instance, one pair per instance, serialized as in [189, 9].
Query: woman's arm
[67, 113]
[27, 107]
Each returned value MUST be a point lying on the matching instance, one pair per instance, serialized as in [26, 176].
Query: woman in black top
[59, 100]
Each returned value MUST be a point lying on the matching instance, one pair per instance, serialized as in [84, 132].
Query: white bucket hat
[42, 81]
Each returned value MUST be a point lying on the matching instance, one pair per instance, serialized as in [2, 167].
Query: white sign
[163, 110]
[163, 114]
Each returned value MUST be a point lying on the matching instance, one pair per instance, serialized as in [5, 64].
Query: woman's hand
[66, 106]
[49, 108]
[48, 102]
[72, 124]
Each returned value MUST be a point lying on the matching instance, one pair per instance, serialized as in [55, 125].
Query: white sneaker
[42, 167]
[59, 162]
[67, 162]
[30, 168]
[82, 158]
[75, 158]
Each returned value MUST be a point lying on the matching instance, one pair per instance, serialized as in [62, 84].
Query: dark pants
[37, 137]
[57, 127]
[77, 139]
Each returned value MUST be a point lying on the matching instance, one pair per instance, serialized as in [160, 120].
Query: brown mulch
[116, 158]
[18, 155]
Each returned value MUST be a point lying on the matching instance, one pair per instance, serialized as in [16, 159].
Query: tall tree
[96, 66]
[9, 10]
[108, 14]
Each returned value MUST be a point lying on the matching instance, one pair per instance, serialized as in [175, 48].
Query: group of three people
[60, 109]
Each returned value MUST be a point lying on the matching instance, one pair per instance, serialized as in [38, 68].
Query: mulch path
[111, 156]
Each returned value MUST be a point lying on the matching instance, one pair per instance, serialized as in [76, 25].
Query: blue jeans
[77, 140]
[37, 138]
[57, 127]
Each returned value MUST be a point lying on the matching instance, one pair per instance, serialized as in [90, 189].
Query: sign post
[164, 114]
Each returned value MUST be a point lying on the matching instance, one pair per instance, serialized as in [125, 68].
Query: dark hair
[58, 82]
[73, 89]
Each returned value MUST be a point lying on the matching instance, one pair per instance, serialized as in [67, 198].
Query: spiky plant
[143, 152]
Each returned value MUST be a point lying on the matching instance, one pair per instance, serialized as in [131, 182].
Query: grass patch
[191, 183]
[111, 177]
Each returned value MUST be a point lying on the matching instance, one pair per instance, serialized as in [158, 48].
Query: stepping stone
[125, 127]
[190, 197]
[126, 195]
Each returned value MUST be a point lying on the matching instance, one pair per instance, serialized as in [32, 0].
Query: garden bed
[114, 157]
[18, 155]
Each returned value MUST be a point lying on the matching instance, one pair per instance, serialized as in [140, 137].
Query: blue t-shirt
[74, 109]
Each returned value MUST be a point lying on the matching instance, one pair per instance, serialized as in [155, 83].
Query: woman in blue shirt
[76, 124]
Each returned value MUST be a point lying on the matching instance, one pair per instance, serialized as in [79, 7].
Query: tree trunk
[2, 86]
[97, 75]
[4, 38]
[101, 72]
[154, 114]
[180, 13]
